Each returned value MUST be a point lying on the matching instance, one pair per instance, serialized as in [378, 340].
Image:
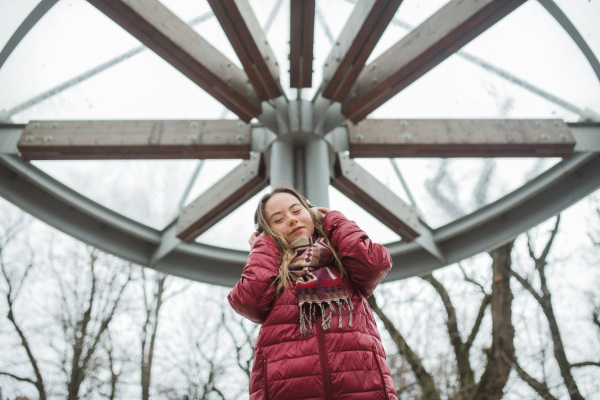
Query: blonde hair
[285, 277]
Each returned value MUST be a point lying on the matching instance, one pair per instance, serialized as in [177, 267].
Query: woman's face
[286, 215]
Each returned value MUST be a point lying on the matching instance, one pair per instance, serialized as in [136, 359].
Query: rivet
[192, 138]
[194, 125]
[29, 138]
[403, 123]
[240, 124]
[563, 137]
[373, 66]
[228, 65]
[239, 138]
[545, 136]
[337, 59]
[36, 124]
[243, 179]
[47, 138]
[374, 81]
[354, 95]
[556, 123]
[54, 125]
[407, 136]
[267, 58]
[538, 123]
[360, 137]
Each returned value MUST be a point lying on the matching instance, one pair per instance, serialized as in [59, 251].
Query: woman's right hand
[253, 238]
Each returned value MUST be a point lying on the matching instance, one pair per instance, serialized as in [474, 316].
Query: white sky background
[74, 37]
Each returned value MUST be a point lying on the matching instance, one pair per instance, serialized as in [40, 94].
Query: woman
[307, 282]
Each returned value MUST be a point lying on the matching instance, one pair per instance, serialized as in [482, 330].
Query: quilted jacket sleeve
[367, 262]
[253, 295]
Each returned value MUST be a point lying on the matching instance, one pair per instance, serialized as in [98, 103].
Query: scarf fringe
[309, 317]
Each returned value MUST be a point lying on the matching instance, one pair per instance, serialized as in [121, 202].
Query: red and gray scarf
[319, 283]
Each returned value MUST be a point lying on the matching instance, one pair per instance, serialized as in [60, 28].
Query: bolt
[240, 124]
[373, 66]
[556, 123]
[194, 125]
[373, 81]
[239, 138]
[403, 123]
[47, 138]
[545, 136]
[36, 124]
[191, 138]
[54, 125]
[563, 137]
[538, 123]
[407, 137]
[360, 137]
[29, 138]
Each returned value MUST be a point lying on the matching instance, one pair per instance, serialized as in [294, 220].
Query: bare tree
[15, 277]
[89, 301]
[543, 297]
[154, 291]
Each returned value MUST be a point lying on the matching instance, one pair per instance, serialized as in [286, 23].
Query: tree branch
[540, 387]
[425, 380]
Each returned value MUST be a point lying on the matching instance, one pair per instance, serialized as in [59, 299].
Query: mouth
[295, 230]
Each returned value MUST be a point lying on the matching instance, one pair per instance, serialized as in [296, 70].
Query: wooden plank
[302, 31]
[425, 47]
[221, 199]
[361, 33]
[372, 195]
[250, 44]
[96, 140]
[460, 138]
[169, 37]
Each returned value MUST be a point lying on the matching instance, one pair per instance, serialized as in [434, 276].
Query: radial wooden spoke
[361, 33]
[248, 40]
[169, 37]
[461, 138]
[97, 140]
[302, 27]
[230, 192]
[425, 47]
[372, 195]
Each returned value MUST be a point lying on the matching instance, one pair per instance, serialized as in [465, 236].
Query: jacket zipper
[324, 361]
[380, 372]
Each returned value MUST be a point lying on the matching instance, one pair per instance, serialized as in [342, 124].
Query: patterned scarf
[317, 283]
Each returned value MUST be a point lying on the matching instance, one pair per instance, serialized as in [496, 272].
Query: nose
[293, 220]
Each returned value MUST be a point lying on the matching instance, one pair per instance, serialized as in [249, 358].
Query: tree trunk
[502, 352]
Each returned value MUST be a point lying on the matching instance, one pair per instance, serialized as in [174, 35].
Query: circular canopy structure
[357, 103]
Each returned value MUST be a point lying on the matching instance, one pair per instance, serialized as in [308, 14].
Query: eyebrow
[279, 212]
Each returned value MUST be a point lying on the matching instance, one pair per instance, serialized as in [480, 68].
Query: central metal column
[282, 164]
[316, 172]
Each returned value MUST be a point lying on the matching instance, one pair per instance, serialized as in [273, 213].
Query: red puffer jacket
[347, 363]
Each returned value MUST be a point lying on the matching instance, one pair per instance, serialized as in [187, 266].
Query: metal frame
[298, 139]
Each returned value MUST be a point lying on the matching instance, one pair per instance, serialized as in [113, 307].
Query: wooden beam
[250, 44]
[169, 37]
[302, 31]
[97, 140]
[372, 195]
[221, 199]
[445, 32]
[460, 138]
[361, 33]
